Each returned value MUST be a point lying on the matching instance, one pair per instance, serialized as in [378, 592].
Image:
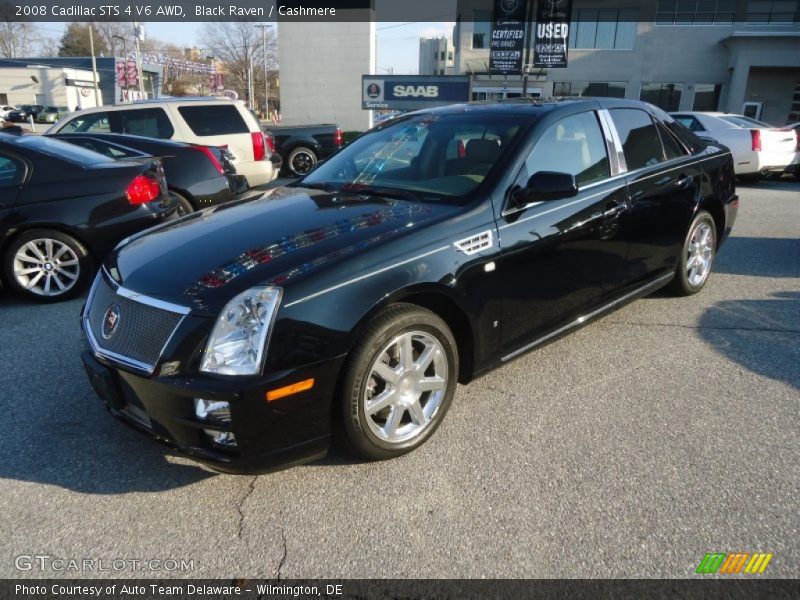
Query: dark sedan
[197, 176]
[63, 208]
[431, 249]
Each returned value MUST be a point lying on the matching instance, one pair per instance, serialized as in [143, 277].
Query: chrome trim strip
[621, 163]
[613, 147]
[366, 276]
[582, 319]
[148, 300]
[562, 206]
[113, 356]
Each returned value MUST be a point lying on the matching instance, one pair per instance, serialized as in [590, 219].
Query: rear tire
[47, 265]
[301, 160]
[398, 382]
[184, 206]
[697, 256]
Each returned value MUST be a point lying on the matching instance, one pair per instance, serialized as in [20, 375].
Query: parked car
[197, 176]
[758, 148]
[205, 121]
[4, 110]
[357, 297]
[63, 208]
[302, 146]
[51, 114]
[24, 112]
[794, 167]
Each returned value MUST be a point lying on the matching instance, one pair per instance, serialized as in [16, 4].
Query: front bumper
[272, 435]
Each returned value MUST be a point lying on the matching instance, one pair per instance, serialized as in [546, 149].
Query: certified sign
[508, 36]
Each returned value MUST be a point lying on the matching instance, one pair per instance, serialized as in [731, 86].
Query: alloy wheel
[302, 162]
[700, 254]
[46, 267]
[405, 387]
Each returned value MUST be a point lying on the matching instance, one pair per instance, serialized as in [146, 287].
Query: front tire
[47, 265]
[697, 256]
[398, 382]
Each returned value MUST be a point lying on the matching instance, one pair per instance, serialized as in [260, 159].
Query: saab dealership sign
[551, 33]
[412, 92]
[508, 36]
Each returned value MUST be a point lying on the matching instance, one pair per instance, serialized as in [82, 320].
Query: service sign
[551, 33]
[412, 92]
[508, 36]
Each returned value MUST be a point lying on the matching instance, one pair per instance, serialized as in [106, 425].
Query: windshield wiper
[368, 190]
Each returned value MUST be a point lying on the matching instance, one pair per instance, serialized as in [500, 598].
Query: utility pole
[94, 66]
[263, 28]
[138, 32]
[528, 31]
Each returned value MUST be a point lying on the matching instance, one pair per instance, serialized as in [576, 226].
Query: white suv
[207, 121]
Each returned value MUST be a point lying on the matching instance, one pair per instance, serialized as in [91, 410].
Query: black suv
[435, 247]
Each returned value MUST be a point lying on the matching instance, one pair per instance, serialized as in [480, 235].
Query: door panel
[561, 257]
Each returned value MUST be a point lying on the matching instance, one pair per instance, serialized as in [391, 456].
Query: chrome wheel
[46, 267]
[700, 254]
[405, 387]
[302, 161]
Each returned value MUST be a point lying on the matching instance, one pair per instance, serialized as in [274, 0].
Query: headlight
[238, 344]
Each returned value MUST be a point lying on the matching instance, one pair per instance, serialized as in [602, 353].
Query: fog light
[225, 439]
[212, 410]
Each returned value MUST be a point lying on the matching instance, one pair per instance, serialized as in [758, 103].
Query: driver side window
[573, 145]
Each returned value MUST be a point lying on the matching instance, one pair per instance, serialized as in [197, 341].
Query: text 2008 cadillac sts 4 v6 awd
[428, 251]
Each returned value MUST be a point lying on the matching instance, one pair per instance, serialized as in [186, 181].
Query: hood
[208, 257]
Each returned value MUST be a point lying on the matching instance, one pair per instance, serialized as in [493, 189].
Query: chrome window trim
[120, 359]
[612, 130]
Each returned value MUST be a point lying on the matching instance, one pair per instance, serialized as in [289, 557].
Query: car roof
[157, 101]
[532, 106]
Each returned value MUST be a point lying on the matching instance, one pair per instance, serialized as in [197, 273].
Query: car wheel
[697, 257]
[398, 382]
[47, 265]
[301, 161]
[184, 206]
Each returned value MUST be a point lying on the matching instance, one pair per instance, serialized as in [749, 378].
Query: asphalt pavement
[631, 448]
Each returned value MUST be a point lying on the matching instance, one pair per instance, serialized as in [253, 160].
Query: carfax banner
[508, 36]
[552, 33]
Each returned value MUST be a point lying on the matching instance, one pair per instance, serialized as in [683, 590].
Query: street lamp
[263, 28]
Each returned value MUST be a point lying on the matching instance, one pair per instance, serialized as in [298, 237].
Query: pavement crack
[282, 529]
[706, 327]
[240, 506]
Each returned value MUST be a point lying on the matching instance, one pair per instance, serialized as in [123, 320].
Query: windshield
[427, 155]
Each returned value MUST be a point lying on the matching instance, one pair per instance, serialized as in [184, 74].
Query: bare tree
[17, 38]
[239, 45]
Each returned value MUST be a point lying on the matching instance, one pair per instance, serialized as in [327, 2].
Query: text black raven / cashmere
[428, 251]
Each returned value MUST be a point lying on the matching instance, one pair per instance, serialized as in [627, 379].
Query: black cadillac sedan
[63, 208]
[430, 250]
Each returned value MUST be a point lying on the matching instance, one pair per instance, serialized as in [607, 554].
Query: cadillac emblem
[110, 321]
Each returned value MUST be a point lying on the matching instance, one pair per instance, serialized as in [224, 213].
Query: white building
[321, 65]
[436, 56]
[48, 86]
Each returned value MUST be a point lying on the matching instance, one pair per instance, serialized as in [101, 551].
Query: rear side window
[97, 122]
[574, 145]
[147, 122]
[691, 123]
[672, 149]
[208, 120]
[11, 170]
[61, 150]
[640, 142]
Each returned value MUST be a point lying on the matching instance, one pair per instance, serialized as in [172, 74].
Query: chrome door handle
[684, 181]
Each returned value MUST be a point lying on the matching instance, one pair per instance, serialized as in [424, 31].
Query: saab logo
[731, 563]
[415, 91]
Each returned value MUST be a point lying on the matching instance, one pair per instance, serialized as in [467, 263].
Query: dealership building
[738, 56]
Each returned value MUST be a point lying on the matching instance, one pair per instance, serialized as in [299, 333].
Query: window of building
[611, 89]
[664, 95]
[3, 98]
[147, 122]
[609, 29]
[706, 96]
[441, 55]
[450, 55]
[641, 144]
[773, 11]
[481, 28]
[691, 12]
[574, 145]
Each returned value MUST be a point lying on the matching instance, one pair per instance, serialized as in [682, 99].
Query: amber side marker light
[288, 390]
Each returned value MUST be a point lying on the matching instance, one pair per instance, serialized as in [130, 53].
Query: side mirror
[546, 185]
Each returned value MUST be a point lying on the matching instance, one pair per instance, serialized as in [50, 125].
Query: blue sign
[412, 92]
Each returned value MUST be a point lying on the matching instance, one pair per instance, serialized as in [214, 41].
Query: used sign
[551, 33]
